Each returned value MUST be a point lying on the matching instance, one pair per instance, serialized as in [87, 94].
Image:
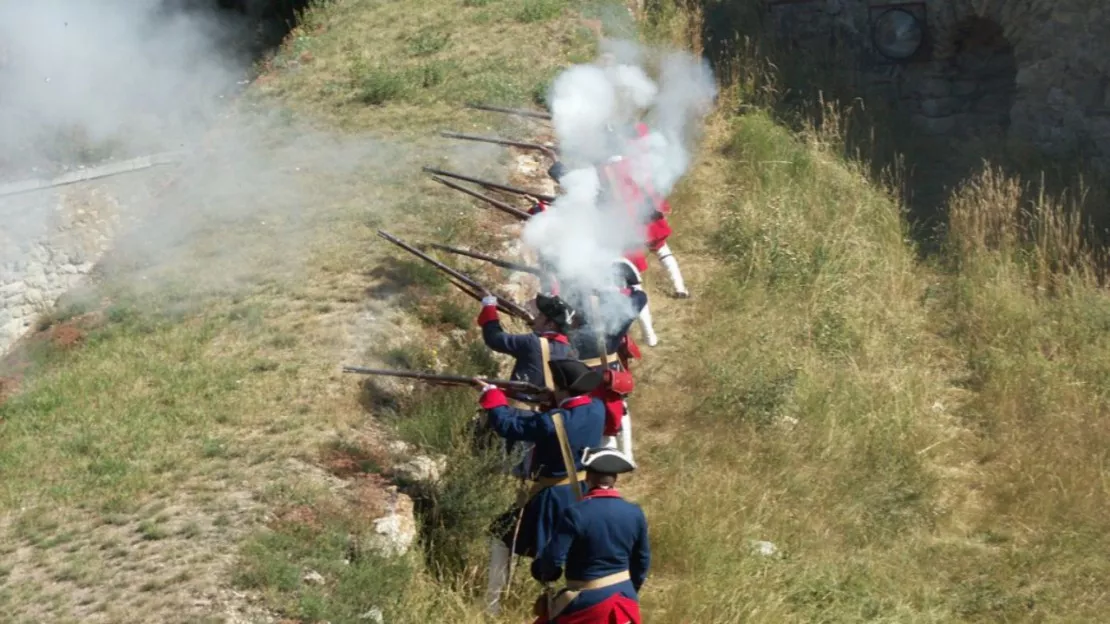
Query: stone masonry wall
[1033, 70]
[41, 260]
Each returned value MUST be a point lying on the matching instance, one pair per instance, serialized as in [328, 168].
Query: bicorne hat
[557, 170]
[555, 309]
[628, 276]
[574, 376]
[606, 461]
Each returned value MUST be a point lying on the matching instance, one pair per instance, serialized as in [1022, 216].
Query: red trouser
[656, 235]
[617, 609]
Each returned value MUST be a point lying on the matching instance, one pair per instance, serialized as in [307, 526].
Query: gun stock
[490, 185]
[509, 306]
[519, 112]
[500, 205]
[500, 141]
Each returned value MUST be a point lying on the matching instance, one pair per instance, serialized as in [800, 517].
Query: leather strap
[543, 483]
[563, 599]
[600, 583]
[545, 355]
[564, 448]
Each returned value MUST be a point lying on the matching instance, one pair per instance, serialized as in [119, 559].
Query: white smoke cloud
[595, 110]
[81, 81]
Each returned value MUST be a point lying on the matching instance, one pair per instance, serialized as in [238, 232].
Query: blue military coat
[599, 536]
[584, 419]
[524, 348]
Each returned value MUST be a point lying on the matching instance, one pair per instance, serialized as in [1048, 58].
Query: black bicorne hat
[606, 461]
[555, 309]
[574, 376]
[627, 273]
[557, 170]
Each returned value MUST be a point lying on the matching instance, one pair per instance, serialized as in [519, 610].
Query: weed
[428, 41]
[152, 531]
[532, 11]
[378, 86]
[215, 447]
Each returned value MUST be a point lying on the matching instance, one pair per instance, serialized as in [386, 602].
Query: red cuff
[493, 398]
[488, 315]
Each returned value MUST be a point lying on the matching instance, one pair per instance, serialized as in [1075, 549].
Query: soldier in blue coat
[531, 352]
[527, 527]
[553, 319]
[627, 300]
[601, 546]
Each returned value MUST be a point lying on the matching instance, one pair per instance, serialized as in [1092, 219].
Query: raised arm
[497, 339]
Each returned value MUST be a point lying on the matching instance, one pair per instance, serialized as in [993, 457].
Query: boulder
[394, 533]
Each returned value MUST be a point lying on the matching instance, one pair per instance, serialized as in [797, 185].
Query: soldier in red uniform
[645, 205]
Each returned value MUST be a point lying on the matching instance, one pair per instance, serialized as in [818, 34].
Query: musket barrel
[520, 112]
[501, 141]
[509, 306]
[492, 185]
[521, 386]
[504, 264]
[500, 205]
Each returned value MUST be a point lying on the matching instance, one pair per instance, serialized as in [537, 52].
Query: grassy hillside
[921, 441]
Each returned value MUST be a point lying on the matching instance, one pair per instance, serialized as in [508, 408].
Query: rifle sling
[543, 483]
[564, 447]
[545, 357]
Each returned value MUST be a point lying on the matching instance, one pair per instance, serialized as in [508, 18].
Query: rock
[419, 469]
[398, 447]
[312, 577]
[767, 549]
[394, 532]
[373, 615]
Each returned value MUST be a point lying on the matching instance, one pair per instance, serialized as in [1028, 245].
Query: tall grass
[921, 441]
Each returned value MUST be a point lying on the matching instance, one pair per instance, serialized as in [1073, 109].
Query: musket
[491, 185]
[496, 203]
[497, 262]
[519, 112]
[451, 380]
[476, 295]
[500, 141]
[510, 307]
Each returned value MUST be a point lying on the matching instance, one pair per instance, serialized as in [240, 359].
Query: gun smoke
[85, 82]
[594, 111]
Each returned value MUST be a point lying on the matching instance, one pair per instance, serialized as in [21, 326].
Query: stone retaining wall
[1033, 70]
[49, 242]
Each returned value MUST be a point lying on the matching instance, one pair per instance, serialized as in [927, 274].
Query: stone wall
[49, 242]
[1033, 70]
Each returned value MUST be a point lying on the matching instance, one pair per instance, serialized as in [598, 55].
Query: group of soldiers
[575, 442]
